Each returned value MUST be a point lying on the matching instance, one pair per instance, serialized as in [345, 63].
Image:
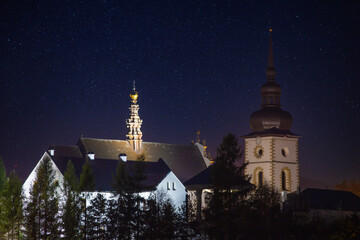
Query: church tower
[271, 149]
[134, 136]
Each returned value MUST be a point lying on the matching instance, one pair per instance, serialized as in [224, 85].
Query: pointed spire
[271, 54]
[270, 70]
[134, 122]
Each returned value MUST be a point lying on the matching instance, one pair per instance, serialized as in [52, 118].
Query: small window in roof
[123, 157]
[91, 155]
[174, 187]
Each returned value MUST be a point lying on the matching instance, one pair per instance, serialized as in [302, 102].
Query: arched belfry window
[260, 178]
[283, 181]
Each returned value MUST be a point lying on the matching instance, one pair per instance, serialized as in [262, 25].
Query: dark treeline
[71, 209]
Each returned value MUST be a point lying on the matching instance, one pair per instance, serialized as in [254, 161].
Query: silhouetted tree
[97, 218]
[86, 185]
[222, 214]
[71, 209]
[124, 202]
[2, 174]
[11, 203]
[42, 216]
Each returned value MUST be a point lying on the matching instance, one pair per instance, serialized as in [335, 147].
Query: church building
[271, 149]
[167, 166]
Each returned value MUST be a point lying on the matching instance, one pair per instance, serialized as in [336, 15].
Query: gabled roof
[324, 199]
[105, 169]
[106, 148]
[203, 181]
[184, 160]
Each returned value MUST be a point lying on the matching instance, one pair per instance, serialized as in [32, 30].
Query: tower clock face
[258, 151]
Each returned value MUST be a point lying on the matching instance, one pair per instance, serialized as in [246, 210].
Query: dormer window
[91, 155]
[123, 157]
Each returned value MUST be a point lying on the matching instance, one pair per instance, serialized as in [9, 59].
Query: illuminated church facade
[271, 149]
[167, 166]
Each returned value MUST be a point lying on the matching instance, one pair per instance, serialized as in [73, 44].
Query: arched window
[260, 178]
[283, 181]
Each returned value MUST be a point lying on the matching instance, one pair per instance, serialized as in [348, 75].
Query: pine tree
[71, 209]
[167, 220]
[137, 186]
[11, 201]
[97, 224]
[87, 179]
[3, 229]
[42, 217]
[222, 214]
[2, 175]
[125, 202]
[87, 184]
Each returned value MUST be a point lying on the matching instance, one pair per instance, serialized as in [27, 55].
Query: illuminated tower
[271, 150]
[134, 135]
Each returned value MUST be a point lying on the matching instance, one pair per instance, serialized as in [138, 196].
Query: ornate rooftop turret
[271, 115]
[134, 135]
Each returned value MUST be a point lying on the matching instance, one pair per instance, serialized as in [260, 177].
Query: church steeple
[271, 91]
[270, 70]
[270, 115]
[134, 136]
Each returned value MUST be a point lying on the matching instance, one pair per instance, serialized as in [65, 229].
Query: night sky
[67, 69]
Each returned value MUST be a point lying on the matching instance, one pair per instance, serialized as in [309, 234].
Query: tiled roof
[184, 160]
[203, 180]
[106, 148]
[105, 169]
[325, 199]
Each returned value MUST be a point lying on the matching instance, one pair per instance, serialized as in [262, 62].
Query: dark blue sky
[66, 68]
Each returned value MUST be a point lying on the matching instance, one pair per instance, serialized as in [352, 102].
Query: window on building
[260, 178]
[283, 181]
[174, 187]
[168, 186]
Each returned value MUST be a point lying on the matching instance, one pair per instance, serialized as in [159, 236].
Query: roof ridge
[103, 139]
[173, 144]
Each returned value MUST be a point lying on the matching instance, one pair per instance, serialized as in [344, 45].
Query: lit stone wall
[279, 154]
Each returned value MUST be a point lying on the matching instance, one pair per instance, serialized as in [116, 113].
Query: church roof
[203, 181]
[105, 169]
[272, 132]
[184, 160]
[324, 199]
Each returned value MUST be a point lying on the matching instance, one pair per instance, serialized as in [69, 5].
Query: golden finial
[134, 94]
[198, 136]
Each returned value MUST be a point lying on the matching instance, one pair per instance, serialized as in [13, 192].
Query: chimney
[51, 152]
